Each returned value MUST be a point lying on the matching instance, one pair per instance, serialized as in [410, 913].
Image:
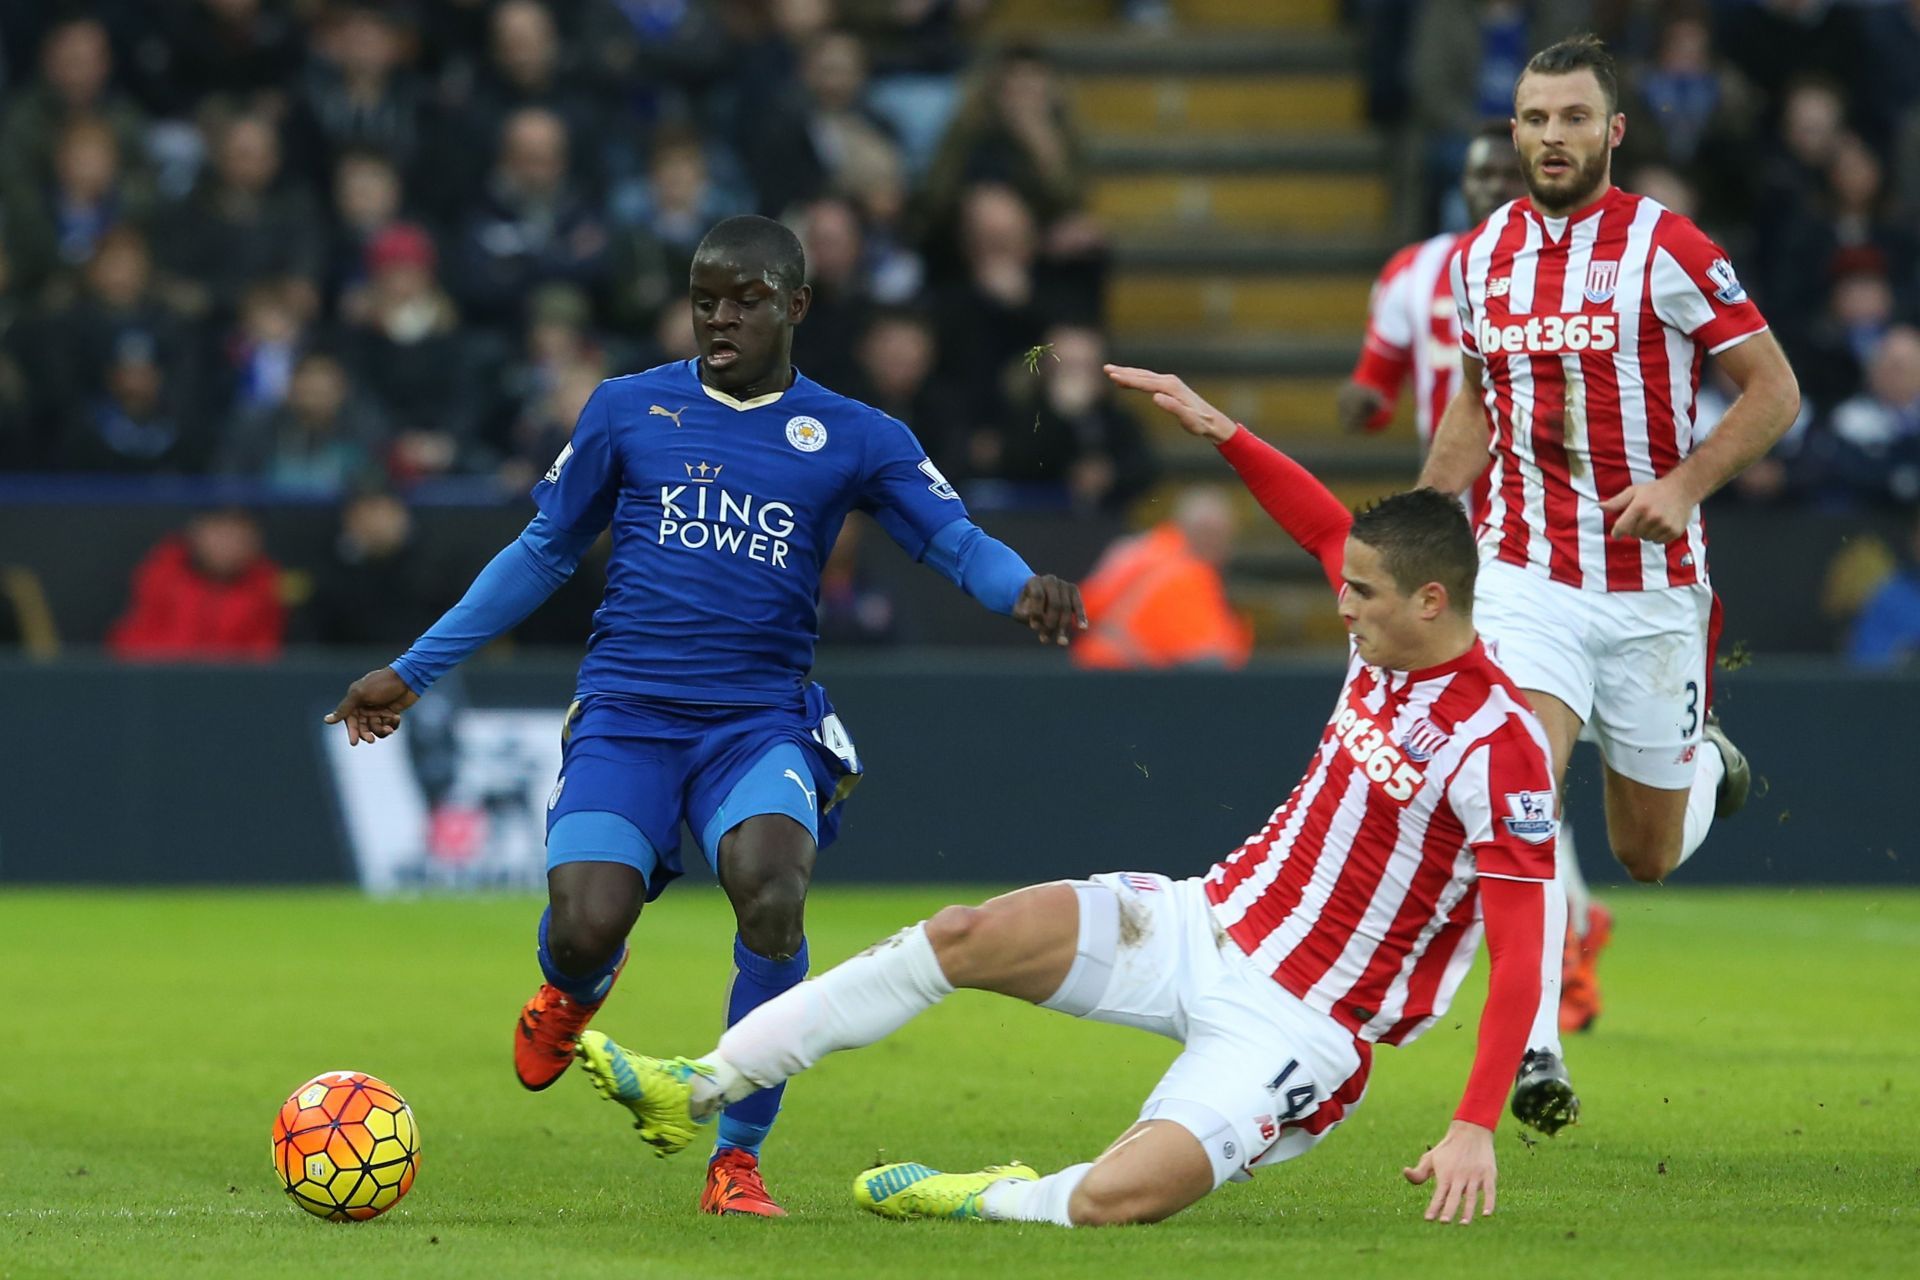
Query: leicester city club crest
[806, 434]
[1601, 278]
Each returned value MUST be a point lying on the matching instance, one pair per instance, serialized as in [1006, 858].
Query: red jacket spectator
[206, 593]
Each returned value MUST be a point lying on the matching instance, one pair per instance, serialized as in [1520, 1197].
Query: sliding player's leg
[1022, 944]
[1264, 1078]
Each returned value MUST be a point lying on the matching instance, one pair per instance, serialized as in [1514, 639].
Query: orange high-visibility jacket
[1151, 602]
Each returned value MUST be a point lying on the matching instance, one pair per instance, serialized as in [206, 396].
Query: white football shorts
[1264, 1078]
[1631, 664]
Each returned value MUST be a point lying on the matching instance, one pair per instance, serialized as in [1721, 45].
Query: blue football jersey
[723, 512]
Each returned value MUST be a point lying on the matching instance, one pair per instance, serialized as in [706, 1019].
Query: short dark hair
[1576, 53]
[1422, 536]
[751, 238]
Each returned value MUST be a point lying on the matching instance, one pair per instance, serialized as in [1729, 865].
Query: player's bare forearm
[1459, 453]
[1768, 402]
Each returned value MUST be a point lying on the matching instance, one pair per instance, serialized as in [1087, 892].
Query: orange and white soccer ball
[346, 1146]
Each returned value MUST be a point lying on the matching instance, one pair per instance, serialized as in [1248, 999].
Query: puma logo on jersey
[662, 411]
[1549, 335]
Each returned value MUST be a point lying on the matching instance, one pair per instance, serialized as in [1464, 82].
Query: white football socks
[1708, 770]
[852, 1004]
[1044, 1200]
[1566, 869]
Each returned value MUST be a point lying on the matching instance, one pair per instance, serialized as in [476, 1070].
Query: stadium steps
[1248, 206]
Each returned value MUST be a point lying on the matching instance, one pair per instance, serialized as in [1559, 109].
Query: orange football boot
[1579, 971]
[544, 1037]
[734, 1186]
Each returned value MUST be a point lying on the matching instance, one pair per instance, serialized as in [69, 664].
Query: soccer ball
[346, 1146]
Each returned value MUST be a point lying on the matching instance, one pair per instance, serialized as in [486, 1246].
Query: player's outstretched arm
[994, 574]
[1285, 490]
[513, 585]
[1521, 916]
[1461, 438]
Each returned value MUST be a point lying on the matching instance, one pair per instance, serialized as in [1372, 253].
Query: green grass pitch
[1752, 1105]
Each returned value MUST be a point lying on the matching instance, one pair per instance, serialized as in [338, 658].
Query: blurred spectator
[117, 369]
[377, 586]
[1666, 185]
[1773, 41]
[559, 339]
[1792, 187]
[322, 439]
[236, 55]
[1080, 440]
[1852, 222]
[852, 610]
[75, 82]
[542, 430]
[404, 344]
[366, 201]
[1464, 58]
[918, 48]
[245, 220]
[1860, 306]
[1157, 599]
[19, 450]
[823, 345]
[56, 224]
[659, 221]
[655, 58]
[209, 592]
[357, 92]
[526, 69]
[1689, 110]
[897, 355]
[1014, 129]
[1872, 446]
[533, 225]
[258, 354]
[1887, 632]
[994, 313]
[824, 138]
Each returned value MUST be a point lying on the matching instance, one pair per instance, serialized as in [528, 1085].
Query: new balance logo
[1498, 286]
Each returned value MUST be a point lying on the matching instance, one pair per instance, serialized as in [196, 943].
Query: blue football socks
[586, 988]
[757, 980]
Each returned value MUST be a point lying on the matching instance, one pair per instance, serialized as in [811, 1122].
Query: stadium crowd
[333, 244]
[336, 247]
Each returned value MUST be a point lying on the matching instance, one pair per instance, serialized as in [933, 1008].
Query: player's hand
[373, 705]
[1654, 512]
[1356, 406]
[1177, 398]
[1462, 1170]
[1051, 607]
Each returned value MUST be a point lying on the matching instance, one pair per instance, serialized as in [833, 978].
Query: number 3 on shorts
[1693, 709]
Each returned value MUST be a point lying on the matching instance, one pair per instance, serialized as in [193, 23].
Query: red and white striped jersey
[1591, 330]
[1412, 321]
[1360, 895]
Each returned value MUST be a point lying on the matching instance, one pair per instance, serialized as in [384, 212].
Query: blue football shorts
[633, 769]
